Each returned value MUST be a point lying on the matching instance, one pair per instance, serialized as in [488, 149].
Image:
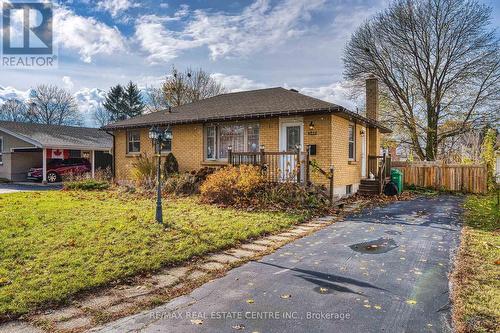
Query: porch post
[44, 165]
[93, 163]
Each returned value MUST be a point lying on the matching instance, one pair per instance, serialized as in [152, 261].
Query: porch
[297, 167]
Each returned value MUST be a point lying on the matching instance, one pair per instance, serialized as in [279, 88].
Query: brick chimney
[372, 98]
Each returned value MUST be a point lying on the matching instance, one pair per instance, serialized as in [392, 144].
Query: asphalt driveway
[383, 270]
[27, 187]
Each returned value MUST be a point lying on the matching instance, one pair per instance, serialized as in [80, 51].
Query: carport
[27, 145]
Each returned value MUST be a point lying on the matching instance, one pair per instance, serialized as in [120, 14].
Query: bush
[231, 185]
[144, 171]
[87, 185]
[188, 183]
[293, 197]
[170, 166]
[244, 187]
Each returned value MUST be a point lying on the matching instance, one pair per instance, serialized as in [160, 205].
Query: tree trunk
[432, 140]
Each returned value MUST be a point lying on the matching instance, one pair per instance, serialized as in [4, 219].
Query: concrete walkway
[383, 270]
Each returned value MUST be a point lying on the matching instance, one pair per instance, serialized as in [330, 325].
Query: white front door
[291, 136]
[363, 155]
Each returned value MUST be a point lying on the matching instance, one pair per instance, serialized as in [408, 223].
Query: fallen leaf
[285, 296]
[367, 305]
[411, 302]
[378, 307]
[323, 290]
[196, 321]
[250, 301]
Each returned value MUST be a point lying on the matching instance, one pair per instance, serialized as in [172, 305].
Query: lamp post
[158, 137]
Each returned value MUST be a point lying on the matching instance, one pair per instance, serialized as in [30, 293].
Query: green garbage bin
[397, 178]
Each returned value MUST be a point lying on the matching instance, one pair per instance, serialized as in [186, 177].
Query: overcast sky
[246, 44]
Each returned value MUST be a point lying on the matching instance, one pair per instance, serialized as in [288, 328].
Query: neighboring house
[274, 119]
[26, 145]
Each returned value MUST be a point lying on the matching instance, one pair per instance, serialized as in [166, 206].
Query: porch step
[369, 187]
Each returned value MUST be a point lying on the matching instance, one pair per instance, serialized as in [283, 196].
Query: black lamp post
[158, 137]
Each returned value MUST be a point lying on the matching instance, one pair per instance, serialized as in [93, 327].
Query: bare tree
[439, 64]
[156, 100]
[102, 116]
[13, 110]
[190, 86]
[53, 106]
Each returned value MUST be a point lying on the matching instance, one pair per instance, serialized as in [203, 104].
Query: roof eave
[332, 109]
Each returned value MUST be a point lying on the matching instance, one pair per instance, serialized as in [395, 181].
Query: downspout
[113, 168]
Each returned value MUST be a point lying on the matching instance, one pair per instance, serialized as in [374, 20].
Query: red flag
[57, 154]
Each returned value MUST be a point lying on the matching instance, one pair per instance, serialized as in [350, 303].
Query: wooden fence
[451, 177]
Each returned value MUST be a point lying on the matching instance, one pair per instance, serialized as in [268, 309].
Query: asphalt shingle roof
[243, 105]
[47, 136]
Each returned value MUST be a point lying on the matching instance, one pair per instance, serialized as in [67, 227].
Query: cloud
[68, 83]
[86, 35]
[337, 92]
[88, 100]
[116, 7]
[7, 93]
[260, 26]
[235, 83]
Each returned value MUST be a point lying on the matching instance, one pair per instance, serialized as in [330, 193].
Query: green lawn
[477, 293]
[55, 244]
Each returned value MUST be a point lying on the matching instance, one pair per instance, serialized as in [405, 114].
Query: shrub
[170, 166]
[231, 185]
[244, 187]
[187, 183]
[99, 174]
[144, 171]
[87, 185]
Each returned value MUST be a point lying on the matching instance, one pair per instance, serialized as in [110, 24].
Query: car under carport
[29, 145]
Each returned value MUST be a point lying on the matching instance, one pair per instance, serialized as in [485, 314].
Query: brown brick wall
[331, 139]
[269, 133]
[346, 172]
[321, 137]
[187, 146]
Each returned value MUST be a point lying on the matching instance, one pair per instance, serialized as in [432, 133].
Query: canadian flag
[58, 154]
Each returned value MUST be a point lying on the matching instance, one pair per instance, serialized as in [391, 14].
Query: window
[352, 142]
[210, 142]
[348, 189]
[133, 142]
[1, 150]
[241, 137]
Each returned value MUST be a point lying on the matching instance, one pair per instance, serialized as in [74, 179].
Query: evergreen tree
[133, 101]
[114, 103]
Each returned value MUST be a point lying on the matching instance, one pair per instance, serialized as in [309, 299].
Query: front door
[291, 137]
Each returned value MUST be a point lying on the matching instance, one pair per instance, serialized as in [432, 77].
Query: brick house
[274, 119]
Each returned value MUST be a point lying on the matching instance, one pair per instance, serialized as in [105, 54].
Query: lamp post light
[158, 137]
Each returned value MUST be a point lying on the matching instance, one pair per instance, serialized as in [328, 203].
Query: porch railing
[275, 166]
[283, 166]
[380, 167]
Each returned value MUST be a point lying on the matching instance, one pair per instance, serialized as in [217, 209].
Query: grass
[55, 244]
[477, 283]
